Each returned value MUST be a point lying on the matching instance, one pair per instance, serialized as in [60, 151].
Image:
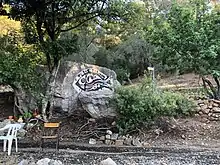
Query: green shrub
[138, 105]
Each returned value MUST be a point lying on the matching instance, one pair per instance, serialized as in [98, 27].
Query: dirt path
[138, 156]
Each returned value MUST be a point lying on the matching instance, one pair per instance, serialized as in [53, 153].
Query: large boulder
[87, 87]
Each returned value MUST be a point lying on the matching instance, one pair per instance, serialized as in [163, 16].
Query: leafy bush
[140, 105]
[129, 59]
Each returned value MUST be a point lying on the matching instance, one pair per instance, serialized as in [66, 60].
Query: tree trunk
[49, 94]
[21, 100]
[211, 90]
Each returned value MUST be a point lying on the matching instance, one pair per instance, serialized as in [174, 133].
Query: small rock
[99, 142]
[23, 162]
[145, 144]
[163, 163]
[204, 107]
[113, 123]
[215, 105]
[216, 101]
[198, 109]
[108, 161]
[121, 138]
[183, 136]
[205, 111]
[200, 101]
[206, 102]
[204, 120]
[201, 104]
[107, 141]
[102, 138]
[210, 106]
[92, 120]
[55, 162]
[213, 118]
[119, 142]
[107, 136]
[92, 141]
[114, 136]
[47, 161]
[216, 110]
[127, 141]
[158, 131]
[196, 115]
[215, 115]
[109, 132]
[136, 142]
[32, 163]
[44, 161]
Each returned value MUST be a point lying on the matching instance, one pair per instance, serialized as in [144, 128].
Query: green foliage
[129, 59]
[45, 21]
[27, 115]
[30, 33]
[140, 105]
[85, 49]
[136, 18]
[8, 25]
[18, 63]
[187, 38]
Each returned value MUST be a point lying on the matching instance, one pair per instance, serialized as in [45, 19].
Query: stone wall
[208, 109]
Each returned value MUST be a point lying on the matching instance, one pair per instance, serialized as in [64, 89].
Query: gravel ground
[137, 156]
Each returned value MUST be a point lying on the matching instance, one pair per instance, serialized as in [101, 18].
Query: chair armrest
[2, 129]
[5, 127]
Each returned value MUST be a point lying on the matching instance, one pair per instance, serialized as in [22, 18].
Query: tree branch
[79, 24]
[212, 88]
[218, 86]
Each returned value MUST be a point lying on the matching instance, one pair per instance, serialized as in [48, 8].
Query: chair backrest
[51, 125]
[12, 129]
[51, 129]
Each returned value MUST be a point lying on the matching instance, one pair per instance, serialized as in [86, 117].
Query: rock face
[84, 86]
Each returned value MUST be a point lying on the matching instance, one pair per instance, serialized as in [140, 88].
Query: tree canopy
[49, 18]
[187, 38]
[127, 36]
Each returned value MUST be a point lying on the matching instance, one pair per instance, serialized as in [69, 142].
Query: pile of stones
[47, 161]
[115, 139]
[208, 109]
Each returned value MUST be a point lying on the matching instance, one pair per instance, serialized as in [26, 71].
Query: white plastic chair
[10, 136]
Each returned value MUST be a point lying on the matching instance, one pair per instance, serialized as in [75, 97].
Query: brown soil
[191, 131]
[165, 132]
[184, 81]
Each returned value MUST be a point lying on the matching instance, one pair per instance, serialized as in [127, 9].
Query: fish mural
[89, 80]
